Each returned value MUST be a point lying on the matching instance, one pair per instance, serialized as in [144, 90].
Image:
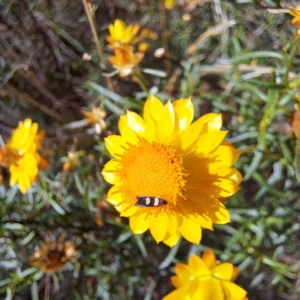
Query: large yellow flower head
[203, 278]
[21, 156]
[171, 175]
[121, 34]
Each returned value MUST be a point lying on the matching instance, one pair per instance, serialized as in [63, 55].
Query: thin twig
[163, 26]
[96, 40]
[13, 92]
[47, 287]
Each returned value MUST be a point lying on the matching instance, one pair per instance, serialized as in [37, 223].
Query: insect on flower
[148, 201]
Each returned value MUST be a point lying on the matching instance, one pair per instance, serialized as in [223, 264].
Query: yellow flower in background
[171, 175]
[95, 117]
[125, 60]
[206, 279]
[295, 11]
[121, 34]
[52, 256]
[21, 155]
[169, 4]
[122, 39]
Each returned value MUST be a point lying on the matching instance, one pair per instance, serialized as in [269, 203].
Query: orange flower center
[151, 169]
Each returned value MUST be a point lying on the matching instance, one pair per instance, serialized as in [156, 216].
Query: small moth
[149, 201]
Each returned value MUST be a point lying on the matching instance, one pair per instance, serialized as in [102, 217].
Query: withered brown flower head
[52, 256]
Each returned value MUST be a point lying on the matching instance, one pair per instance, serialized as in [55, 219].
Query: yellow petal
[228, 181]
[228, 188]
[175, 281]
[209, 206]
[171, 239]
[117, 30]
[235, 273]
[190, 136]
[183, 273]
[166, 122]
[127, 132]
[169, 4]
[152, 109]
[134, 122]
[114, 196]
[139, 224]
[115, 144]
[184, 113]
[209, 141]
[209, 258]
[212, 122]
[173, 223]
[130, 32]
[223, 271]
[108, 171]
[198, 267]
[190, 208]
[209, 289]
[158, 227]
[128, 210]
[222, 216]
[233, 291]
[178, 294]
[190, 231]
[226, 154]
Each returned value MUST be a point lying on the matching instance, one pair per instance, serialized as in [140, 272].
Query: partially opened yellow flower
[171, 175]
[295, 11]
[21, 155]
[206, 279]
[121, 34]
[96, 117]
[125, 60]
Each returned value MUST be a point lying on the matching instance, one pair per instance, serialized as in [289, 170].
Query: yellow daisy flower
[171, 175]
[204, 278]
[21, 156]
[125, 60]
[121, 34]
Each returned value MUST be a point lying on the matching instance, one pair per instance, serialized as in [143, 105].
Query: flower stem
[290, 60]
[163, 25]
[47, 287]
[87, 7]
[141, 81]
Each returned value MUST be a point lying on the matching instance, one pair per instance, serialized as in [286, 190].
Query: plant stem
[141, 81]
[290, 60]
[163, 25]
[47, 287]
[96, 40]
